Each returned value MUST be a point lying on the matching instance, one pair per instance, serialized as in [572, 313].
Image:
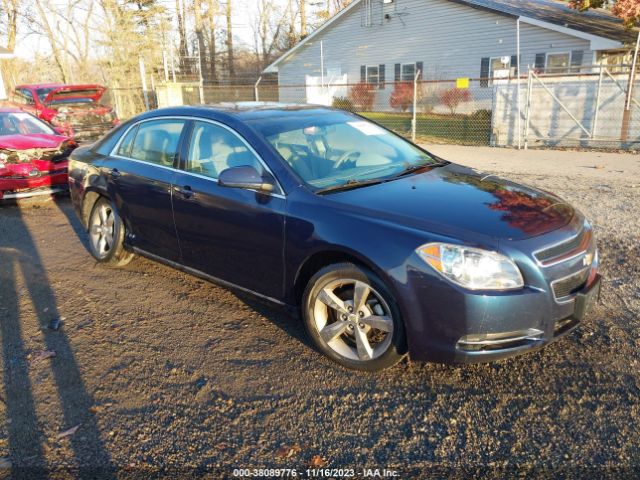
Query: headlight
[472, 268]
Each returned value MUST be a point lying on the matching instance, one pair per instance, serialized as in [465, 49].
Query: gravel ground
[165, 374]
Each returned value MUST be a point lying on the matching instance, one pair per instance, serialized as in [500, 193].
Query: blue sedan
[384, 248]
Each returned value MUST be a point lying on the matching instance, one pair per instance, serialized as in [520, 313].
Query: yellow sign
[462, 83]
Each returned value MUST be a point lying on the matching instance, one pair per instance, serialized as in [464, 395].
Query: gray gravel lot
[161, 370]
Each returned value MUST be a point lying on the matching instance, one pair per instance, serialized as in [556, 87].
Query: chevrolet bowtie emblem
[587, 259]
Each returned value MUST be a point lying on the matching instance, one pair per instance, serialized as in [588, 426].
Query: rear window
[124, 149]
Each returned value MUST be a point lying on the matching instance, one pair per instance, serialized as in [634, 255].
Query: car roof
[242, 111]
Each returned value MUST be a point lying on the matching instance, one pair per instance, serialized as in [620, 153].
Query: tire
[369, 338]
[106, 235]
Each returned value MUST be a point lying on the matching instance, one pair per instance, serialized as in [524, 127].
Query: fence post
[255, 89]
[414, 119]
[594, 128]
[528, 108]
[143, 77]
[626, 116]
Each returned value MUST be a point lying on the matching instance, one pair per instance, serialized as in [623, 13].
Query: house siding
[450, 39]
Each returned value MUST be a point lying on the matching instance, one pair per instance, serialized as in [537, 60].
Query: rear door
[229, 233]
[140, 174]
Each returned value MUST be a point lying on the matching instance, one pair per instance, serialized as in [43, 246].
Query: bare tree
[211, 26]
[267, 30]
[197, 13]
[183, 51]
[303, 18]
[10, 10]
[232, 73]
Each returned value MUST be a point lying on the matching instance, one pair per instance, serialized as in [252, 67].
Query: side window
[214, 149]
[157, 141]
[124, 149]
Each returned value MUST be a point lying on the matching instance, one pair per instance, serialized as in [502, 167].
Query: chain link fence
[589, 110]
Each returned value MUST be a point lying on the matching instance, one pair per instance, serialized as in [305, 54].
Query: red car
[33, 156]
[73, 109]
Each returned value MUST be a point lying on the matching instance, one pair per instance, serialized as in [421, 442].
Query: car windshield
[22, 124]
[43, 92]
[336, 149]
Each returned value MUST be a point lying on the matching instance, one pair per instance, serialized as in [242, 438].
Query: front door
[232, 234]
[139, 176]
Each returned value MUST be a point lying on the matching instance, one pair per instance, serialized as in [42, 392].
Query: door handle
[185, 191]
[114, 173]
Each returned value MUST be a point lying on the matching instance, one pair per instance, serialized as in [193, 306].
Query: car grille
[565, 250]
[569, 285]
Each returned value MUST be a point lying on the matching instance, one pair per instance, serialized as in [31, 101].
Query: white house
[382, 41]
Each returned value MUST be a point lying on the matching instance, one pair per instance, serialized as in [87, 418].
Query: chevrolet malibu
[384, 248]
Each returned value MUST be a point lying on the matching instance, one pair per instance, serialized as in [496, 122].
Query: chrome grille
[565, 250]
[569, 285]
[559, 250]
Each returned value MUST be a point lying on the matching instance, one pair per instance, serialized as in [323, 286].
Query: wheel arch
[320, 259]
[88, 202]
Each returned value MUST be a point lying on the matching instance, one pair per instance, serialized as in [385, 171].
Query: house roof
[593, 23]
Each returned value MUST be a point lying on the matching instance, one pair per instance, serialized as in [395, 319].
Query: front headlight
[472, 268]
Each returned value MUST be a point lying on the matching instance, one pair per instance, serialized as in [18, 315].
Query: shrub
[453, 97]
[402, 96]
[343, 103]
[362, 95]
[482, 116]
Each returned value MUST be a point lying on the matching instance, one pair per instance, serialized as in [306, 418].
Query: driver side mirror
[245, 177]
[60, 130]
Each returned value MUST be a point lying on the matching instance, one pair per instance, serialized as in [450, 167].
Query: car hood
[67, 92]
[35, 140]
[453, 200]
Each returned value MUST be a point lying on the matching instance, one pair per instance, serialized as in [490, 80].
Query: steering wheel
[344, 157]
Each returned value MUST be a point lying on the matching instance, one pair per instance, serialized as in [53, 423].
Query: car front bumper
[449, 324]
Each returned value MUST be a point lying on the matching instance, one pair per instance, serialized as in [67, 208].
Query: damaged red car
[75, 110]
[33, 156]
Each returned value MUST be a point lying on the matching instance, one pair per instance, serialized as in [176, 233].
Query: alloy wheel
[353, 319]
[102, 231]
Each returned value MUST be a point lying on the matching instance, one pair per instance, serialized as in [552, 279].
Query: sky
[245, 10]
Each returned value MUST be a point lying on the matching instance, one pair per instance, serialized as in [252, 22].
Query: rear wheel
[353, 319]
[106, 235]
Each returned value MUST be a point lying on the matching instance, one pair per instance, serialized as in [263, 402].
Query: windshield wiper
[416, 168]
[350, 185]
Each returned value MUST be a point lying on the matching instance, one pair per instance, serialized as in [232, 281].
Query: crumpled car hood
[34, 140]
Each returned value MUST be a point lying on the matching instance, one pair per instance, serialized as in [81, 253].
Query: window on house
[408, 72]
[498, 68]
[373, 74]
[558, 63]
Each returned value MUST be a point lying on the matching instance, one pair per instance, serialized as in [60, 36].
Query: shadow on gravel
[19, 256]
[66, 207]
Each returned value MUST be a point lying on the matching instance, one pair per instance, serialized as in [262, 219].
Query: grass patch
[462, 129]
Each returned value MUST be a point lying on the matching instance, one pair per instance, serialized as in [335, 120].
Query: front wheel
[106, 235]
[353, 319]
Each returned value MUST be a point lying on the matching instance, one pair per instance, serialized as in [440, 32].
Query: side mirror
[245, 177]
[60, 130]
